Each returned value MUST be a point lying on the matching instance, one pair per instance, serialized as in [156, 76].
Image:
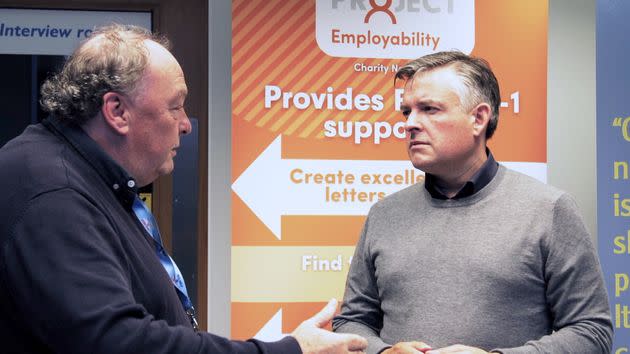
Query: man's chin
[420, 164]
[166, 168]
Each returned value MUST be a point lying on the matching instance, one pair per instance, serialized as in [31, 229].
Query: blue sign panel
[613, 160]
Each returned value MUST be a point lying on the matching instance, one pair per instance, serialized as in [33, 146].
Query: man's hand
[458, 349]
[315, 340]
[407, 348]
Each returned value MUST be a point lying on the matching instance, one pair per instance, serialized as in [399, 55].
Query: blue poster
[613, 160]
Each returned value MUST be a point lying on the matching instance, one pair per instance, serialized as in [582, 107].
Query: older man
[477, 258]
[82, 267]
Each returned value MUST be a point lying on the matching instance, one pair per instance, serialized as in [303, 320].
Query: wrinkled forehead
[163, 77]
[162, 64]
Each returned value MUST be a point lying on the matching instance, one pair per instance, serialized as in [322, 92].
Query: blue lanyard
[148, 221]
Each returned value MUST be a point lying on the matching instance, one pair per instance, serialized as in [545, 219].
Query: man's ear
[115, 112]
[481, 115]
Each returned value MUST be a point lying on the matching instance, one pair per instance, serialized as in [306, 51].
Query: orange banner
[316, 134]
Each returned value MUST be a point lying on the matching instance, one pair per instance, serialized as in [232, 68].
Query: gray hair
[481, 84]
[113, 58]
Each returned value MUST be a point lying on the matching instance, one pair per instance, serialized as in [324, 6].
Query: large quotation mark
[624, 124]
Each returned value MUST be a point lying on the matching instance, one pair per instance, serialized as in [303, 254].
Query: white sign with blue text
[56, 32]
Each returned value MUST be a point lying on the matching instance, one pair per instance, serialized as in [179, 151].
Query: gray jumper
[511, 268]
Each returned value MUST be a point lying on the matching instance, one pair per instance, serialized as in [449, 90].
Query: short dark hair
[475, 72]
[113, 58]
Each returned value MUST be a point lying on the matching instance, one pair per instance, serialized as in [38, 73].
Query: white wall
[219, 154]
[570, 127]
[571, 107]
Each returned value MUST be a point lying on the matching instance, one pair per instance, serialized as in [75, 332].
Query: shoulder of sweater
[530, 188]
[518, 185]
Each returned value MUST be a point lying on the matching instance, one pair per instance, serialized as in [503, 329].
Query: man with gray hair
[477, 258]
[82, 266]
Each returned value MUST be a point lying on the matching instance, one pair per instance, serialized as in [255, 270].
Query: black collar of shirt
[121, 183]
[479, 180]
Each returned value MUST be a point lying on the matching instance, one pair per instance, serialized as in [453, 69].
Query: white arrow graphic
[272, 186]
[272, 330]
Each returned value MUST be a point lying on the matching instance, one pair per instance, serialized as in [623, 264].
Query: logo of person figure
[380, 8]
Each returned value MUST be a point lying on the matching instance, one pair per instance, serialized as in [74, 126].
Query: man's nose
[413, 122]
[186, 126]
